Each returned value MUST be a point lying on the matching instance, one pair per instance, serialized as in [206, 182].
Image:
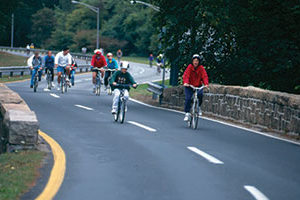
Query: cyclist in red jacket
[98, 61]
[196, 76]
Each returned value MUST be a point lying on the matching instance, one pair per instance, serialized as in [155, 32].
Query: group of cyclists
[195, 74]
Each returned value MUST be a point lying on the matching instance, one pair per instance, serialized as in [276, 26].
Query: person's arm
[113, 79]
[132, 81]
[116, 64]
[56, 60]
[204, 77]
[93, 61]
[186, 76]
[29, 62]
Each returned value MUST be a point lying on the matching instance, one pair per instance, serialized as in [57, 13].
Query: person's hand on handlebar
[114, 83]
[134, 85]
[186, 85]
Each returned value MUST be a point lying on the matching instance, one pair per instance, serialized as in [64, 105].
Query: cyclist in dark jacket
[49, 64]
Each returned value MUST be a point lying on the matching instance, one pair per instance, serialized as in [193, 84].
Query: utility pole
[12, 31]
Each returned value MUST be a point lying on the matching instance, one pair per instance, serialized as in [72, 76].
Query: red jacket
[100, 62]
[195, 77]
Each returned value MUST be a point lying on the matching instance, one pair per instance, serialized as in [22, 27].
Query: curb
[58, 170]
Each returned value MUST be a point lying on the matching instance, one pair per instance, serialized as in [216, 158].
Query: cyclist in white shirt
[63, 61]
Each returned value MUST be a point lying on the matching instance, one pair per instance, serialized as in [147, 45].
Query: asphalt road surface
[153, 155]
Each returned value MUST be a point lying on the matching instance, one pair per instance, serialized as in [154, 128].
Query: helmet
[160, 56]
[124, 65]
[98, 51]
[109, 54]
[196, 56]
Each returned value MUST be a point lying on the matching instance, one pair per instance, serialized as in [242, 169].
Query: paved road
[164, 160]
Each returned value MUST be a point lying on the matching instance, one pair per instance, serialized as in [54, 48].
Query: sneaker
[58, 89]
[200, 113]
[31, 86]
[113, 111]
[187, 117]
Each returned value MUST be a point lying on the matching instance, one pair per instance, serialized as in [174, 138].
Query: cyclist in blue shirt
[49, 65]
[35, 63]
[111, 64]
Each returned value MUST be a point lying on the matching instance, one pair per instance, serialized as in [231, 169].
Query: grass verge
[7, 79]
[18, 172]
[142, 60]
[7, 59]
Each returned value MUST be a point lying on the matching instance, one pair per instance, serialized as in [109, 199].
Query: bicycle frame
[63, 82]
[193, 121]
[35, 80]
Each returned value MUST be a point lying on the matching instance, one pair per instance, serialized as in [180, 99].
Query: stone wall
[19, 126]
[248, 105]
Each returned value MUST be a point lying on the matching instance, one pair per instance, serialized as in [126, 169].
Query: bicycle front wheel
[62, 85]
[35, 84]
[195, 113]
[122, 112]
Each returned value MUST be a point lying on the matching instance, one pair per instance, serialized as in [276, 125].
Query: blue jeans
[34, 72]
[72, 76]
[188, 98]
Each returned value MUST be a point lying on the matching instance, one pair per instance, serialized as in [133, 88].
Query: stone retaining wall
[18, 124]
[248, 105]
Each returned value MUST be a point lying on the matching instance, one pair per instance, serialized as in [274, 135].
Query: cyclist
[73, 70]
[196, 76]
[159, 62]
[35, 64]
[49, 65]
[151, 58]
[121, 77]
[63, 60]
[98, 61]
[119, 55]
[111, 64]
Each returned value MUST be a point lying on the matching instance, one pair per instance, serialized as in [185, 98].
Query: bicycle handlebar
[104, 69]
[125, 85]
[198, 88]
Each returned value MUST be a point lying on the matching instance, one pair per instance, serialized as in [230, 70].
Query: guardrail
[24, 70]
[157, 90]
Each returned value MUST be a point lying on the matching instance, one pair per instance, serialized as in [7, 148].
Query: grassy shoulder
[142, 91]
[7, 59]
[18, 172]
[7, 79]
[142, 60]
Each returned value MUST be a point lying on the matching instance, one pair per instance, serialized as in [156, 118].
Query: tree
[43, 24]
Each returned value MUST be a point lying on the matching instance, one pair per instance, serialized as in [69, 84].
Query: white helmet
[124, 65]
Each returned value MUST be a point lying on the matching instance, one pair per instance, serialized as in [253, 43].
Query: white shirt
[63, 60]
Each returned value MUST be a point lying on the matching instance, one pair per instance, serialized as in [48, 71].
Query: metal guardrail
[157, 91]
[24, 70]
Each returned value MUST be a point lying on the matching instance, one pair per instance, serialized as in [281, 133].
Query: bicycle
[108, 88]
[35, 80]
[99, 81]
[195, 110]
[49, 79]
[63, 82]
[159, 66]
[72, 75]
[121, 110]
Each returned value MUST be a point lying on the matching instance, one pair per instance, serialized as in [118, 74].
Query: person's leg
[94, 77]
[32, 76]
[115, 100]
[40, 74]
[200, 96]
[67, 71]
[188, 99]
[73, 76]
[52, 74]
[107, 74]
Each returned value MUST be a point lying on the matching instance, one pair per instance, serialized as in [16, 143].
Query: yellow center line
[58, 171]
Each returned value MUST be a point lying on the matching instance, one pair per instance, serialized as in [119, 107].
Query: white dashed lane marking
[205, 155]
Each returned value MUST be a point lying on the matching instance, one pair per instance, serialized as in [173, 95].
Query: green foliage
[43, 23]
[245, 42]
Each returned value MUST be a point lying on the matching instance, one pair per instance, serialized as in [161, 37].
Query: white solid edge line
[142, 126]
[221, 122]
[258, 195]
[206, 156]
[54, 95]
[84, 107]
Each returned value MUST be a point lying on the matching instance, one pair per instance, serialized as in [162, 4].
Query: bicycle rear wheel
[195, 113]
[122, 112]
[35, 85]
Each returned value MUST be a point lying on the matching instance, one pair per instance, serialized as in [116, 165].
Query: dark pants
[107, 75]
[52, 72]
[188, 98]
